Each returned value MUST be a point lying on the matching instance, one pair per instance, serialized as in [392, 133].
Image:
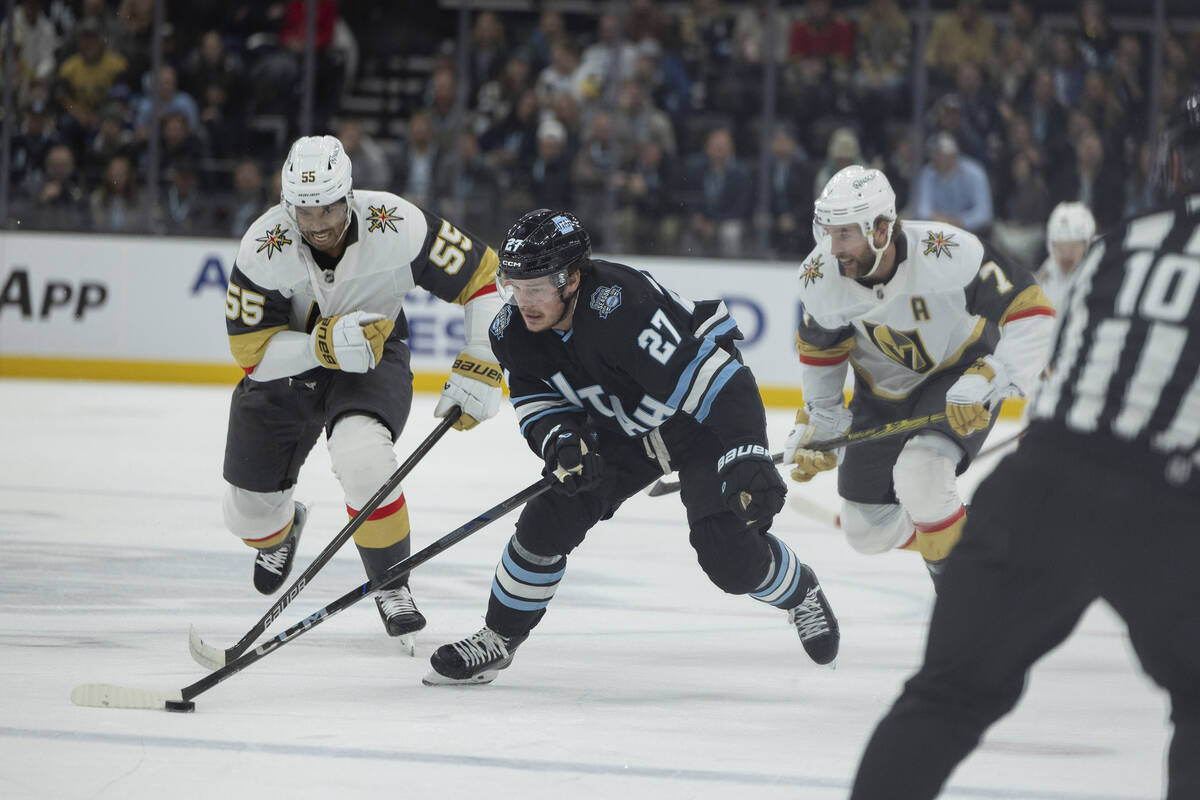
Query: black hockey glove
[750, 483]
[572, 458]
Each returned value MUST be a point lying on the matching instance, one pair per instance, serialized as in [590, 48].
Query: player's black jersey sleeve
[1002, 292]
[253, 315]
[452, 263]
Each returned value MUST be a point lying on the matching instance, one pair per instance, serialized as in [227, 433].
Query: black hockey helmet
[1179, 149]
[544, 242]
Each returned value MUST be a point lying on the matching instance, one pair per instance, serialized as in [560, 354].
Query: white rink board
[77, 296]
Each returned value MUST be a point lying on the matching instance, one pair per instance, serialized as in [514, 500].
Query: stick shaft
[343, 536]
[354, 595]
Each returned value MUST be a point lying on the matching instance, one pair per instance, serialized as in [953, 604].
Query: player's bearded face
[323, 226]
[850, 248]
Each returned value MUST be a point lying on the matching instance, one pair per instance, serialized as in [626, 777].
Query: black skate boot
[815, 623]
[398, 611]
[475, 659]
[271, 567]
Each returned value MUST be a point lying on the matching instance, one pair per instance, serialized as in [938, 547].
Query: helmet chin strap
[568, 305]
[878, 251]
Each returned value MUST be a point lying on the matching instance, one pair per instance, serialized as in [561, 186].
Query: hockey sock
[782, 587]
[524, 584]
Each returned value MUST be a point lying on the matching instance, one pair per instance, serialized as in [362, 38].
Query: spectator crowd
[646, 121]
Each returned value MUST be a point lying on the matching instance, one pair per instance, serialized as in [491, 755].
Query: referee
[1100, 501]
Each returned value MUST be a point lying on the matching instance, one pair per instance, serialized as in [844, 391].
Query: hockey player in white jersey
[931, 321]
[315, 317]
[1069, 232]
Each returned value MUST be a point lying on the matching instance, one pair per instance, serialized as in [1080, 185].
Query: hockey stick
[214, 658]
[103, 695]
[665, 486]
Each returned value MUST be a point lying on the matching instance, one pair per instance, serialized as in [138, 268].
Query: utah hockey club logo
[903, 347]
[382, 218]
[605, 300]
[938, 243]
[274, 241]
[811, 272]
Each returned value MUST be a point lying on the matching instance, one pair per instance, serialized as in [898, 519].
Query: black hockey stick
[214, 658]
[103, 695]
[665, 486]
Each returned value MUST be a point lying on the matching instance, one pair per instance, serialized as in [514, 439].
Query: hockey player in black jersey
[1101, 500]
[616, 380]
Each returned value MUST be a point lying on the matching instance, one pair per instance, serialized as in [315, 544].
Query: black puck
[182, 706]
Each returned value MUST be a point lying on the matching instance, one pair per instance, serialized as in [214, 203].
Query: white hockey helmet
[316, 173]
[1070, 222]
[856, 195]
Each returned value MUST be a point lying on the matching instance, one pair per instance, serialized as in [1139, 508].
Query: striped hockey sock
[525, 581]
[784, 586]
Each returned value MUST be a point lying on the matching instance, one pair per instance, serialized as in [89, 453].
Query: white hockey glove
[351, 342]
[815, 424]
[973, 397]
[474, 386]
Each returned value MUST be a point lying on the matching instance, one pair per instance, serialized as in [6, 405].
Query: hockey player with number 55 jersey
[615, 380]
[316, 319]
[931, 321]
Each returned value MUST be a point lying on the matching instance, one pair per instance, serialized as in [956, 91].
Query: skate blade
[407, 642]
[435, 678]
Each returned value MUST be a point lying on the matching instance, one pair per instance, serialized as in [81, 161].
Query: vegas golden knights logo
[903, 347]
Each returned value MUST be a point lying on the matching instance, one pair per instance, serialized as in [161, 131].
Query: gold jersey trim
[485, 274]
[248, 348]
[1032, 300]
[811, 354]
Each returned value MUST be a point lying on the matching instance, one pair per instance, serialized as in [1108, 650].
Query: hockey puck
[182, 706]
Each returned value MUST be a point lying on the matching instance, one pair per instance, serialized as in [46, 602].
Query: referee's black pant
[1048, 533]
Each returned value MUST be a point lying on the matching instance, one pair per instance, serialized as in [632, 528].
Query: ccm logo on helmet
[745, 451]
[863, 181]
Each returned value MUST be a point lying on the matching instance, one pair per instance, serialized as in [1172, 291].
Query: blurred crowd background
[701, 128]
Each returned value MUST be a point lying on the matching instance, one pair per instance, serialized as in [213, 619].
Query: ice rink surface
[643, 681]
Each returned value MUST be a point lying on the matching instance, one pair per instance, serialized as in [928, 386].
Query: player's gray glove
[571, 457]
[750, 483]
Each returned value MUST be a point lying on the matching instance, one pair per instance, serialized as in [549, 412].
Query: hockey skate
[475, 659]
[815, 623]
[272, 566]
[400, 615]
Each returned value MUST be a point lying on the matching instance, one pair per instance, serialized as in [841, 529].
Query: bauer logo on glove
[474, 386]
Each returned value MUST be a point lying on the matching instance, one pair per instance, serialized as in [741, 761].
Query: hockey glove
[750, 483]
[815, 424]
[571, 457]
[972, 398]
[474, 385]
[351, 342]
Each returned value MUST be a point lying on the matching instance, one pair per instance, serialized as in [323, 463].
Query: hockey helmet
[1178, 167]
[543, 243]
[317, 172]
[1070, 222]
[856, 195]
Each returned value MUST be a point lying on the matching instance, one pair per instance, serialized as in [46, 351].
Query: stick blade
[204, 654]
[659, 488]
[105, 695]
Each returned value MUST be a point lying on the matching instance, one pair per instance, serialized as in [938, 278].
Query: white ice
[643, 681]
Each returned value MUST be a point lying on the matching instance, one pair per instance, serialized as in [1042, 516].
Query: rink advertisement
[153, 309]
